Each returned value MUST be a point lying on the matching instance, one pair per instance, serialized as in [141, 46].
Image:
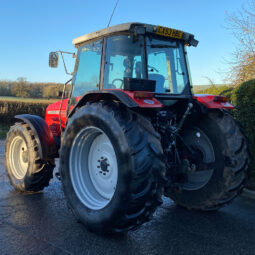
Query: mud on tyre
[111, 168]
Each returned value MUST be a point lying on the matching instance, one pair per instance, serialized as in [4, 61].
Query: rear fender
[125, 97]
[43, 135]
[213, 102]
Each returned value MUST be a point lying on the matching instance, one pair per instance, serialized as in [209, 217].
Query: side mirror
[53, 59]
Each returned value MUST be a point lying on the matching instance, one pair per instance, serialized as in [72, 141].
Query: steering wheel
[152, 68]
[117, 79]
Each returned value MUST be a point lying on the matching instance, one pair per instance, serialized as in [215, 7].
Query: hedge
[244, 100]
[8, 109]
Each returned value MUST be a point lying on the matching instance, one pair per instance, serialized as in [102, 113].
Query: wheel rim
[93, 168]
[198, 140]
[18, 157]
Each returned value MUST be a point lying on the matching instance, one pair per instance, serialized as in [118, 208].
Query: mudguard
[125, 97]
[43, 135]
[213, 102]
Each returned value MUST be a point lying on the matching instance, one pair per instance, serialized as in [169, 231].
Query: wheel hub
[24, 156]
[18, 157]
[103, 166]
[200, 166]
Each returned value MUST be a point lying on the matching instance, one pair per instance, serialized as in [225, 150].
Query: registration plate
[169, 32]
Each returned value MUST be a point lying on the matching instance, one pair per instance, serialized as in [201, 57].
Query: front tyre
[111, 168]
[222, 170]
[25, 169]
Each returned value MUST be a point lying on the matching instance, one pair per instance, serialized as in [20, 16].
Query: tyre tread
[145, 187]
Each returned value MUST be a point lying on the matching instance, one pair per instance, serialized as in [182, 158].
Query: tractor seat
[160, 81]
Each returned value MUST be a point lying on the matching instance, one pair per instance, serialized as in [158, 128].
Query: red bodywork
[52, 116]
[147, 101]
[213, 102]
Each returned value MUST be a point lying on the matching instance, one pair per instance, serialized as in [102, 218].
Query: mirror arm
[60, 109]
[61, 52]
[67, 52]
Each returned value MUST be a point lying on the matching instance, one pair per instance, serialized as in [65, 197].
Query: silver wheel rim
[18, 157]
[198, 139]
[93, 168]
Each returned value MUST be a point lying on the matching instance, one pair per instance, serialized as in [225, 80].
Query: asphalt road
[42, 224]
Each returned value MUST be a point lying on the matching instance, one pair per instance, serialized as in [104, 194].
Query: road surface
[42, 224]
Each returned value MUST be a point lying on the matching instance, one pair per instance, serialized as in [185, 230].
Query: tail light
[221, 99]
[143, 94]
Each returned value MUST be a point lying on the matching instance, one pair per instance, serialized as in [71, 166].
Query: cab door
[87, 71]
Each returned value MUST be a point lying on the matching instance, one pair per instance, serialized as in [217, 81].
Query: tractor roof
[135, 26]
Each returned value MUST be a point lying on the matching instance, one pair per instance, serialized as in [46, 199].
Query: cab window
[87, 76]
[124, 58]
[166, 65]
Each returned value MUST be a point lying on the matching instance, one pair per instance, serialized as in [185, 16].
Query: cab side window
[87, 76]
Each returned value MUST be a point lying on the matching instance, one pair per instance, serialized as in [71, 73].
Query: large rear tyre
[224, 150]
[25, 170]
[111, 168]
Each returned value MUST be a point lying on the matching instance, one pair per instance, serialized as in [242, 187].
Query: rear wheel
[221, 163]
[96, 185]
[26, 171]
[111, 168]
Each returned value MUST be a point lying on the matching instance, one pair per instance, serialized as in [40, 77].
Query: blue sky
[30, 29]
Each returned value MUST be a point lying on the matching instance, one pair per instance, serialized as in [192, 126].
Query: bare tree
[210, 80]
[21, 87]
[242, 25]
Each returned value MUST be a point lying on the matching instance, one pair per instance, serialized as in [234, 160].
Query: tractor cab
[137, 51]
[132, 57]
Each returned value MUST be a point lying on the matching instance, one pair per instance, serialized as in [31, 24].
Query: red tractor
[128, 130]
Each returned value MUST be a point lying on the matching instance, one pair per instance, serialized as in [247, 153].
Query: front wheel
[219, 167]
[25, 169]
[111, 168]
